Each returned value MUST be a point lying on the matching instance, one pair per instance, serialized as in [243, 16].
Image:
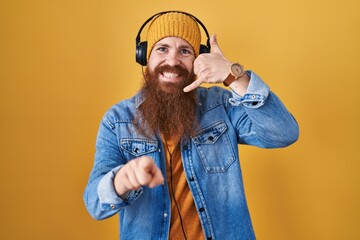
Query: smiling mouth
[170, 75]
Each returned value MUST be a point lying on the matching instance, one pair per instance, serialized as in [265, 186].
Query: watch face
[237, 70]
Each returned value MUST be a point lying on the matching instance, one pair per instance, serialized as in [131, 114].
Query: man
[167, 159]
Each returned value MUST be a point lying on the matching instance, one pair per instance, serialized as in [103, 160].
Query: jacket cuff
[108, 197]
[256, 93]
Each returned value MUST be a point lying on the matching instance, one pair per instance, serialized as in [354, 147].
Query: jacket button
[201, 209]
[185, 147]
[209, 238]
[191, 178]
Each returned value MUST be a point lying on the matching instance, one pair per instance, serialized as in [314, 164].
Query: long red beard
[167, 108]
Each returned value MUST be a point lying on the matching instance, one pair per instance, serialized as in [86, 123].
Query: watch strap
[229, 80]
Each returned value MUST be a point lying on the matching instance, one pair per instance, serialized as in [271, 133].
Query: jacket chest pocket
[214, 148]
[133, 148]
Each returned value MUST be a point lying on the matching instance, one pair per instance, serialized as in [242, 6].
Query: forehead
[173, 41]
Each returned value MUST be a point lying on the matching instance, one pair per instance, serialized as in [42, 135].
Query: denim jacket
[210, 160]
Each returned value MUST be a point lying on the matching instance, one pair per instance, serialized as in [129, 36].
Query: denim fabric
[210, 159]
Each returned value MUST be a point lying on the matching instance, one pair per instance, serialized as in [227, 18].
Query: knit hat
[174, 24]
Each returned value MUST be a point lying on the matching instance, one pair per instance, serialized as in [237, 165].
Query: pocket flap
[138, 147]
[211, 134]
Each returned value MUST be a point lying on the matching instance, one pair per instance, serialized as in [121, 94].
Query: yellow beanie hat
[174, 24]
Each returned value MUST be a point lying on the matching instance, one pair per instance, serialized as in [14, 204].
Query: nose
[172, 58]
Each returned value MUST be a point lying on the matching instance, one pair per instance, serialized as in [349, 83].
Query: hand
[210, 67]
[139, 172]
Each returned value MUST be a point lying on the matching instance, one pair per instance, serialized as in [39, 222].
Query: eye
[185, 51]
[161, 49]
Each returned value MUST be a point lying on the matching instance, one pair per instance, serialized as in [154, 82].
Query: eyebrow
[161, 45]
[168, 46]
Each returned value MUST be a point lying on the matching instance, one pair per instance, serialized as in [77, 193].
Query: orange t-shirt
[183, 196]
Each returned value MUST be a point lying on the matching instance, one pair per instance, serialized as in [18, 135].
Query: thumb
[214, 45]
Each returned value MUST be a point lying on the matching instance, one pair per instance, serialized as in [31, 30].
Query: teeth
[170, 75]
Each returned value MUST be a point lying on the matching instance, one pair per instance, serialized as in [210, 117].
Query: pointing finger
[157, 178]
[193, 85]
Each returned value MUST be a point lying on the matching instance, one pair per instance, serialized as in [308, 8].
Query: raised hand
[210, 67]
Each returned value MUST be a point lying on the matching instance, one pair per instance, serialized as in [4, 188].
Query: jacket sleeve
[100, 197]
[264, 120]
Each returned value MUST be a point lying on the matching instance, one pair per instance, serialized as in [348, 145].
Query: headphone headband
[141, 47]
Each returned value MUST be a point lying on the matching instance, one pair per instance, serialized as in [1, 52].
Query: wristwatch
[236, 71]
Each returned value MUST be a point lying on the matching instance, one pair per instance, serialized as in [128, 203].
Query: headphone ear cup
[204, 49]
[141, 50]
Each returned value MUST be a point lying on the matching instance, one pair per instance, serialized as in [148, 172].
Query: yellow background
[64, 63]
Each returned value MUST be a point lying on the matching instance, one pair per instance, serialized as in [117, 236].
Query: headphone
[141, 47]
